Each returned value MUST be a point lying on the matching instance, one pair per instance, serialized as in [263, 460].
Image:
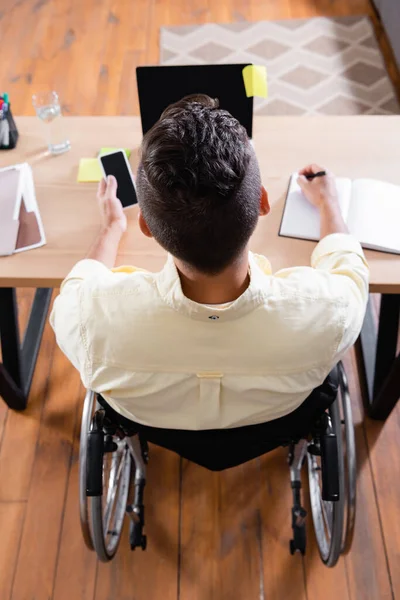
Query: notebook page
[301, 219]
[374, 214]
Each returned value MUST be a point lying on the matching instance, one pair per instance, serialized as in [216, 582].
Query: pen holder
[13, 131]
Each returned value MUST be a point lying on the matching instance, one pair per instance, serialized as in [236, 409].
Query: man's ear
[143, 225]
[264, 204]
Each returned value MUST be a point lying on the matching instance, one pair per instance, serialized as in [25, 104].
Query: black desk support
[19, 360]
[381, 365]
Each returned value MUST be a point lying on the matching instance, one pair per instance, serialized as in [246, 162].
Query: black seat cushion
[218, 449]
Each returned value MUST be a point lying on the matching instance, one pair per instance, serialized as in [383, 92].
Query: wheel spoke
[114, 478]
[327, 520]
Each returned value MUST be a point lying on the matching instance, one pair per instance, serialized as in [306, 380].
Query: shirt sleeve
[342, 257]
[66, 316]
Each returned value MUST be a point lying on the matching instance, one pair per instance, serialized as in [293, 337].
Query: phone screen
[114, 164]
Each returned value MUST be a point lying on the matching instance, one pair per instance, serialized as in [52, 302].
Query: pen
[313, 175]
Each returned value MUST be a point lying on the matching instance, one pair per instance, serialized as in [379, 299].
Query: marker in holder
[8, 129]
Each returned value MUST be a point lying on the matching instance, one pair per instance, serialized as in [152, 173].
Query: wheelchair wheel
[103, 497]
[328, 516]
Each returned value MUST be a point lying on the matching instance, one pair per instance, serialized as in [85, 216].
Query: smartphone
[115, 163]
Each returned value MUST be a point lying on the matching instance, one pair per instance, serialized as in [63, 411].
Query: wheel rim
[87, 415]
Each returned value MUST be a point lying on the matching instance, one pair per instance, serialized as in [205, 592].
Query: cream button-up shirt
[163, 360]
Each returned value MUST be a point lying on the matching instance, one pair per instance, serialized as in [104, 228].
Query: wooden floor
[211, 536]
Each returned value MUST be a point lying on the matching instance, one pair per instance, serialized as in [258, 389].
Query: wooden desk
[350, 146]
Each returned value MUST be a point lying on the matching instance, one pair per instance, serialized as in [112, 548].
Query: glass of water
[48, 109]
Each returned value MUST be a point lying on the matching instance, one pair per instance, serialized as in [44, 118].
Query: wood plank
[240, 557]
[368, 544]
[76, 565]
[161, 14]
[283, 573]
[45, 509]
[24, 300]
[124, 34]
[12, 35]
[152, 573]
[51, 54]
[128, 103]
[21, 429]
[383, 441]
[87, 20]
[11, 522]
[221, 533]
[200, 533]
[270, 10]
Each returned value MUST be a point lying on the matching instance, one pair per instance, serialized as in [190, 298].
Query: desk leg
[379, 356]
[17, 368]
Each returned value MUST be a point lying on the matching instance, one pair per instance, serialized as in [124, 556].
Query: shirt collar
[170, 289]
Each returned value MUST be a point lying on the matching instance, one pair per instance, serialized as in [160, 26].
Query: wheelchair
[114, 453]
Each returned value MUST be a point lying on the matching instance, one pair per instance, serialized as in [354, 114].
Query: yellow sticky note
[107, 150]
[255, 81]
[89, 170]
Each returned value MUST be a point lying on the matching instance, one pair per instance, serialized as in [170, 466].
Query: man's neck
[215, 289]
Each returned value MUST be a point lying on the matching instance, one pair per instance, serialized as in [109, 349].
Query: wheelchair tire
[328, 517]
[108, 510]
[89, 408]
[350, 460]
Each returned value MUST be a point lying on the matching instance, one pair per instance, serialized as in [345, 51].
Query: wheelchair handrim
[328, 516]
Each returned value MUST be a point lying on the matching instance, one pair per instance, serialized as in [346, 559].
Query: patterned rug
[318, 66]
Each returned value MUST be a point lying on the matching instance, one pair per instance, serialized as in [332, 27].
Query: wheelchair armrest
[329, 466]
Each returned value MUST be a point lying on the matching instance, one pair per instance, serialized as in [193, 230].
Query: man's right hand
[322, 193]
[320, 190]
[112, 213]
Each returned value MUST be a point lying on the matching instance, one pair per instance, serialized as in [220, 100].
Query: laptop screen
[158, 87]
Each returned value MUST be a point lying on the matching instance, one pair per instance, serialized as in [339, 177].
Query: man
[215, 340]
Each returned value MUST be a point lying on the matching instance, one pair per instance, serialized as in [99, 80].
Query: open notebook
[21, 226]
[370, 208]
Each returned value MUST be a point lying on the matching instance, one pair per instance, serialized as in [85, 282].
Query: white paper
[374, 214]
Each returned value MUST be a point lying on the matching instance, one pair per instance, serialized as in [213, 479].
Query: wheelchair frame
[108, 451]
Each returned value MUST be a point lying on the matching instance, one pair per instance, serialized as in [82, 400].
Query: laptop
[158, 87]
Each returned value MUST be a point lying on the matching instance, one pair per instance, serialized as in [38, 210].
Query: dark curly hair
[199, 184]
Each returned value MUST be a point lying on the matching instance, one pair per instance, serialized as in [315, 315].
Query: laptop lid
[158, 87]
